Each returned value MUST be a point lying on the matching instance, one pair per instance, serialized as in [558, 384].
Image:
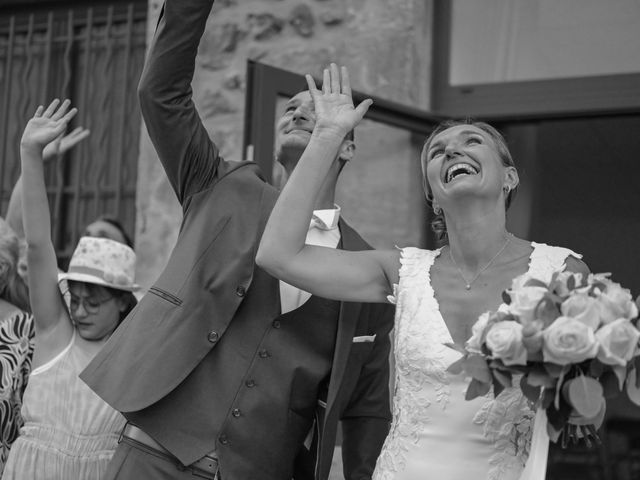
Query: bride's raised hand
[47, 125]
[334, 109]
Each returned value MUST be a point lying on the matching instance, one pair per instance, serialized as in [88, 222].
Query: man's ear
[347, 150]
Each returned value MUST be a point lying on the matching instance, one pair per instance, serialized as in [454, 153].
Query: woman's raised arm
[338, 274]
[46, 302]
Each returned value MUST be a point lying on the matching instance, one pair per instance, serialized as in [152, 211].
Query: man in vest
[222, 371]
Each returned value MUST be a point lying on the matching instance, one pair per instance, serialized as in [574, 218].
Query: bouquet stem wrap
[536, 466]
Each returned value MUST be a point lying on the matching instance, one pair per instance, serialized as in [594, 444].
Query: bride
[470, 178]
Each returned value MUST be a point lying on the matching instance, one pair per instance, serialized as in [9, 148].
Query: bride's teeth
[466, 169]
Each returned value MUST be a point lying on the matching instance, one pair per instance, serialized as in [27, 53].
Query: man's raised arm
[189, 157]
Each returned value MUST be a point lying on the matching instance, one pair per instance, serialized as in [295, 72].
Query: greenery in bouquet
[569, 345]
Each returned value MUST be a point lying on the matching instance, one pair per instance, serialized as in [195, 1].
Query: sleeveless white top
[69, 432]
[437, 434]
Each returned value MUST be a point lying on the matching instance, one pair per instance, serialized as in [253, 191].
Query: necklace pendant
[468, 287]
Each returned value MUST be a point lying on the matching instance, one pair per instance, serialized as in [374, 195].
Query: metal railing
[93, 56]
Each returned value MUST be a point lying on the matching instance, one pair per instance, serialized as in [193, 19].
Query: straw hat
[104, 262]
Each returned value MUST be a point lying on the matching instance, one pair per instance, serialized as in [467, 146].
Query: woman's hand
[64, 143]
[47, 125]
[335, 113]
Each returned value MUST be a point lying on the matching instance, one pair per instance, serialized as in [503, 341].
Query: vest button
[276, 324]
[223, 439]
[213, 336]
[236, 412]
[263, 354]
[241, 291]
[250, 383]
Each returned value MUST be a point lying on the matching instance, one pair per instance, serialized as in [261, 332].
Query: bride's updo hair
[438, 224]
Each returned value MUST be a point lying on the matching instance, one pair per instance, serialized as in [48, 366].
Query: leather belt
[208, 463]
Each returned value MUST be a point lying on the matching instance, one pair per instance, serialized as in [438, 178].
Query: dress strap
[46, 366]
[547, 259]
[415, 265]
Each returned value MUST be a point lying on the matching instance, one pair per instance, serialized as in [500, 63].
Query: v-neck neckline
[432, 293]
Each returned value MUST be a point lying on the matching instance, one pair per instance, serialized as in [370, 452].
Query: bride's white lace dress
[437, 434]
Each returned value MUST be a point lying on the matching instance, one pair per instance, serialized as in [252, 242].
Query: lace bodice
[436, 433]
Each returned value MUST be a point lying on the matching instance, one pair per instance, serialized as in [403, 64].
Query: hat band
[96, 272]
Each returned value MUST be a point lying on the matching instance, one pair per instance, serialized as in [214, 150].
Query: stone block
[218, 44]
[264, 25]
[234, 81]
[216, 103]
[302, 20]
[333, 17]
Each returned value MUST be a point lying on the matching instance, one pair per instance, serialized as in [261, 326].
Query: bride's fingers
[346, 83]
[60, 112]
[51, 108]
[335, 78]
[39, 111]
[326, 81]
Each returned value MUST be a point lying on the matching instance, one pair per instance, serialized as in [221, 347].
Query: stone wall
[385, 43]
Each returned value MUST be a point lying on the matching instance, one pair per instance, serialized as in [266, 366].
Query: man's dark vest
[262, 381]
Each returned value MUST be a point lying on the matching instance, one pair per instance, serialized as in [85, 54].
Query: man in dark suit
[221, 370]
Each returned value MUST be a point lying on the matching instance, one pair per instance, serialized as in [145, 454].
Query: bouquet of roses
[572, 343]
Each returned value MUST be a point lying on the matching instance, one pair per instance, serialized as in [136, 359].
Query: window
[94, 56]
[496, 58]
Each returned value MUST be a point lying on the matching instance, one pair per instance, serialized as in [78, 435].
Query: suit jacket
[157, 366]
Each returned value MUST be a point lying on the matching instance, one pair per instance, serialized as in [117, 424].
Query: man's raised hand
[335, 112]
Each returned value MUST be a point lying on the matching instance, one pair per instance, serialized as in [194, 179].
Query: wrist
[329, 133]
[31, 147]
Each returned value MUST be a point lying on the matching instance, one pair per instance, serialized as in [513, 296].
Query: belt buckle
[206, 467]
[122, 433]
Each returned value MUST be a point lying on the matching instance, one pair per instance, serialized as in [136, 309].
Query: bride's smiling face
[464, 160]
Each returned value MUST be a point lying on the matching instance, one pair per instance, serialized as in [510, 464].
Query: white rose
[519, 282]
[582, 307]
[567, 341]
[618, 342]
[504, 339]
[474, 344]
[616, 302]
[524, 301]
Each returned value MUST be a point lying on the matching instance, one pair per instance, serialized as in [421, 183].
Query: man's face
[294, 127]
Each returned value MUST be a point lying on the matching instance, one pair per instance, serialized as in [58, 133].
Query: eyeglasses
[90, 305]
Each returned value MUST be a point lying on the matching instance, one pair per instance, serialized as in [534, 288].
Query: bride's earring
[436, 208]
[506, 189]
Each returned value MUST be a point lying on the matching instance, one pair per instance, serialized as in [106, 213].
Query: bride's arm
[337, 274]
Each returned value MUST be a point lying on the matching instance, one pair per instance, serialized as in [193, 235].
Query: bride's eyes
[435, 152]
[473, 141]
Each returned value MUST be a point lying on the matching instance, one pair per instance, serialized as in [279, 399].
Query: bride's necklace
[468, 283]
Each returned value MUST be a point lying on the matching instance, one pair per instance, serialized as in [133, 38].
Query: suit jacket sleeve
[366, 420]
[190, 159]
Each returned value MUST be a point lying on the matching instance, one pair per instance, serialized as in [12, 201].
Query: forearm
[285, 232]
[35, 205]
[14, 210]
[165, 93]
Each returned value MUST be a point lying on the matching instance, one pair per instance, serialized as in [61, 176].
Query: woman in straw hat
[69, 432]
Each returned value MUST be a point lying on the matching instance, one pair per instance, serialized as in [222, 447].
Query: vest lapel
[349, 312]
